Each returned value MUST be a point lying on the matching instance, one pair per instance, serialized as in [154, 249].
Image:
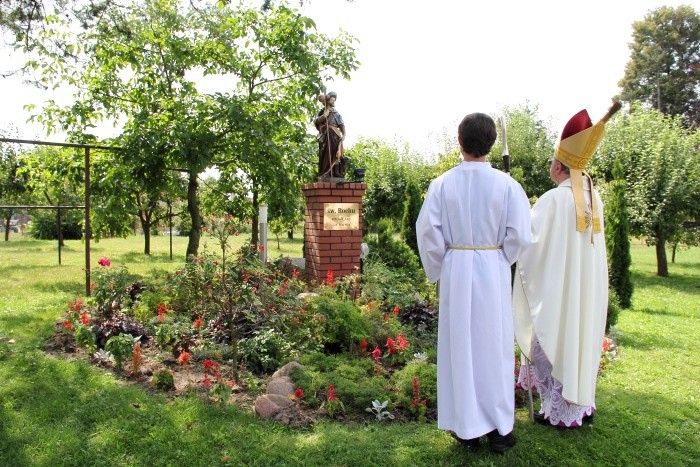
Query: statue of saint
[331, 133]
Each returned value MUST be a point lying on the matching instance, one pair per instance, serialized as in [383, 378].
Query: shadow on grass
[648, 340]
[680, 282]
[139, 257]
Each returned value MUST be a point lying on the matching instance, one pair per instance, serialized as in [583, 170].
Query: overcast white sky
[427, 63]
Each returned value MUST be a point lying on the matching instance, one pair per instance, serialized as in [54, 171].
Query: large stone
[287, 369]
[282, 386]
[269, 405]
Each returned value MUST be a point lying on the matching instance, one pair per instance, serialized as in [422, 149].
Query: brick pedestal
[338, 250]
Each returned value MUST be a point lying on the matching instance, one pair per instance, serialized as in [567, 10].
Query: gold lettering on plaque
[341, 216]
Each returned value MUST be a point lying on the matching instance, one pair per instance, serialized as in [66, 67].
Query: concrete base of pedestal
[325, 249]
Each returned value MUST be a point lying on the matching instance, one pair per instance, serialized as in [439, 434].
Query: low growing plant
[121, 348]
[163, 379]
[378, 409]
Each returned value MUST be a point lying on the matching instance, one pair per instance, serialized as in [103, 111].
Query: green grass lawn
[62, 411]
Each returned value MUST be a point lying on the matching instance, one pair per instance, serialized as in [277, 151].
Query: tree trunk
[290, 234]
[145, 219]
[7, 227]
[673, 253]
[193, 209]
[661, 260]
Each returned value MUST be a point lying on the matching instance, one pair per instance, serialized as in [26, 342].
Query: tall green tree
[140, 63]
[617, 236]
[664, 66]
[659, 157]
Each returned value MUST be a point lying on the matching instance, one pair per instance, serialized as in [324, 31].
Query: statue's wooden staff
[326, 108]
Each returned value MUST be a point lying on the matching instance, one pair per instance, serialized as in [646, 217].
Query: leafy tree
[387, 171]
[617, 237]
[139, 63]
[56, 176]
[13, 183]
[661, 171]
[664, 66]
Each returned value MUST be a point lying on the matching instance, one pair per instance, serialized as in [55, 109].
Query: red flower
[75, 306]
[386, 316]
[207, 364]
[184, 358]
[68, 325]
[84, 318]
[299, 393]
[390, 345]
[606, 344]
[396, 310]
[402, 342]
[295, 274]
[329, 277]
[331, 393]
[206, 382]
[105, 262]
[363, 344]
[197, 323]
[376, 353]
[161, 312]
[261, 248]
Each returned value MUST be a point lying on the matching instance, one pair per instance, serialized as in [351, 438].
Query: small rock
[269, 405]
[306, 295]
[287, 369]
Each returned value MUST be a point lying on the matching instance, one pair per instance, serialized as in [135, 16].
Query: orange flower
[396, 310]
[197, 323]
[184, 358]
[68, 325]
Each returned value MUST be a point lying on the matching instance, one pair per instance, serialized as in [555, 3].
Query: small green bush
[345, 325]
[427, 376]
[120, 347]
[163, 379]
[264, 352]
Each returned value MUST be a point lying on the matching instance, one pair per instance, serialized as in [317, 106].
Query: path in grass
[65, 412]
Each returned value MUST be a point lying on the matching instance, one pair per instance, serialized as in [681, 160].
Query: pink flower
[105, 262]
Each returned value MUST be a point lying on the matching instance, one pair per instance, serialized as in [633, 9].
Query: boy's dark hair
[477, 133]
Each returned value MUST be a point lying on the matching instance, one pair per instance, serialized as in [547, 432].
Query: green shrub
[163, 379]
[44, 225]
[427, 377]
[345, 326]
[393, 251]
[120, 347]
[355, 382]
[85, 337]
[264, 352]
